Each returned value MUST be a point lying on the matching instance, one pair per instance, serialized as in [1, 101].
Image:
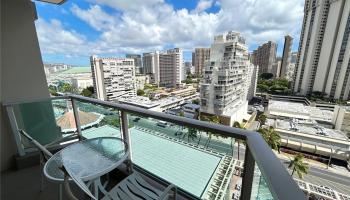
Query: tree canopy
[275, 86]
[140, 92]
[271, 137]
[298, 165]
[87, 92]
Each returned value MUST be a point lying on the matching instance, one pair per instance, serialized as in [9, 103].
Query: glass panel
[98, 121]
[260, 190]
[198, 162]
[43, 120]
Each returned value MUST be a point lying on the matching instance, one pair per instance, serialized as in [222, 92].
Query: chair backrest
[80, 183]
[46, 153]
[39, 121]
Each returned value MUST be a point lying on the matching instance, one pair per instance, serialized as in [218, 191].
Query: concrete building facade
[276, 68]
[252, 81]
[141, 80]
[81, 83]
[324, 49]
[199, 57]
[138, 62]
[170, 68]
[286, 56]
[166, 68]
[113, 78]
[224, 86]
[265, 57]
[189, 69]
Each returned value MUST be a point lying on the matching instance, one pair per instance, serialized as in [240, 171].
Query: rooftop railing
[201, 158]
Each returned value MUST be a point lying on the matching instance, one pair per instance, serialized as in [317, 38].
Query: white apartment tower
[150, 63]
[226, 82]
[165, 68]
[252, 80]
[113, 78]
[324, 49]
[170, 68]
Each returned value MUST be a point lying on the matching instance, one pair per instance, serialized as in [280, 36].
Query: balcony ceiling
[54, 1]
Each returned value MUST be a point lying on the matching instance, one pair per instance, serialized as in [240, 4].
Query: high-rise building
[113, 78]
[200, 56]
[276, 68]
[225, 84]
[294, 57]
[137, 61]
[291, 67]
[189, 68]
[193, 58]
[151, 66]
[170, 68]
[252, 80]
[324, 50]
[287, 56]
[165, 68]
[265, 57]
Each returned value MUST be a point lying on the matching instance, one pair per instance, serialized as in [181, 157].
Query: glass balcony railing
[204, 160]
[47, 121]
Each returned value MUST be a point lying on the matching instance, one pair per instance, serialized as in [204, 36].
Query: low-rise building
[191, 110]
[287, 109]
[51, 68]
[81, 82]
[141, 80]
[342, 119]
[313, 138]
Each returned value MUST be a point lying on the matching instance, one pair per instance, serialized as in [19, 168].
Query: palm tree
[271, 137]
[191, 134]
[262, 119]
[214, 119]
[298, 165]
[239, 141]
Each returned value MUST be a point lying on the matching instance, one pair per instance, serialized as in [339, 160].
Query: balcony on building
[198, 157]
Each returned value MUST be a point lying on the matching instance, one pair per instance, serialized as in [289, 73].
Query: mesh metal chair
[45, 155]
[133, 187]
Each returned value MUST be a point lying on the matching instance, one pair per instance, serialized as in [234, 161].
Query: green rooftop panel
[184, 166]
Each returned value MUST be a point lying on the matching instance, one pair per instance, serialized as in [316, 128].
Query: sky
[72, 32]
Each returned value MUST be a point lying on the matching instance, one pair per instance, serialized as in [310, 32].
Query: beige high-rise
[265, 57]
[199, 56]
[165, 68]
[324, 49]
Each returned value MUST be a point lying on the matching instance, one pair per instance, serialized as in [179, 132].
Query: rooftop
[309, 129]
[298, 110]
[143, 102]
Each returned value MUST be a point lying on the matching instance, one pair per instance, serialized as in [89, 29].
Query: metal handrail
[280, 183]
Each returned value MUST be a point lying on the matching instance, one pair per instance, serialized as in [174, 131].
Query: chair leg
[42, 182]
[42, 163]
[60, 192]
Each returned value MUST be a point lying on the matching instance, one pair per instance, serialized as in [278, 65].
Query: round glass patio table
[88, 159]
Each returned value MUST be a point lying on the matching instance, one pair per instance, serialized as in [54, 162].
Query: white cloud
[53, 38]
[203, 5]
[145, 25]
[94, 16]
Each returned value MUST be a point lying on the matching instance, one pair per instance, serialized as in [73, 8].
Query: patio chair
[45, 155]
[133, 187]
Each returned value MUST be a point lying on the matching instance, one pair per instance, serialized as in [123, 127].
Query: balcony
[184, 152]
